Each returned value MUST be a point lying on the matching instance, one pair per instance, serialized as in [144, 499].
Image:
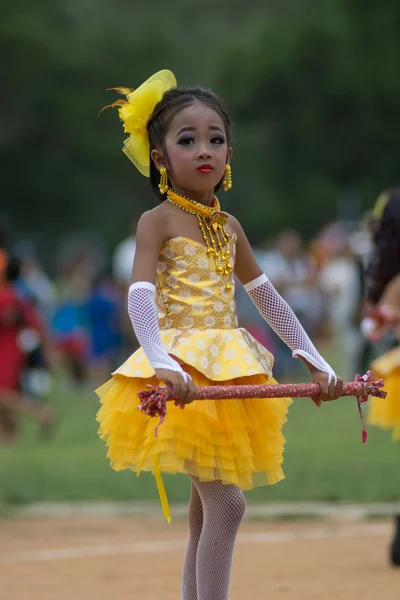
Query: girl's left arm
[280, 316]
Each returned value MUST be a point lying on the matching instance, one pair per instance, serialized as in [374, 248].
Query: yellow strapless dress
[386, 412]
[237, 441]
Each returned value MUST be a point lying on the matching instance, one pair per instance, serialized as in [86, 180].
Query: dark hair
[384, 262]
[170, 105]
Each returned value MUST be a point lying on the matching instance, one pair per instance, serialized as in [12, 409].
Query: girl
[181, 304]
[383, 297]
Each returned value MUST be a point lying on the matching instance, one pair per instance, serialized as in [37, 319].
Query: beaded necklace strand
[211, 221]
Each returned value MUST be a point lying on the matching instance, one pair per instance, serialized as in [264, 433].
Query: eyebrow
[212, 127]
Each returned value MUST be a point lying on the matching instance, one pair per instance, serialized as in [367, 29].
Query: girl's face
[197, 150]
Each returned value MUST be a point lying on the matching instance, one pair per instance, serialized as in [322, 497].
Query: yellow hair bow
[134, 113]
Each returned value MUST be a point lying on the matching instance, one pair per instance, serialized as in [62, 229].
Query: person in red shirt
[20, 325]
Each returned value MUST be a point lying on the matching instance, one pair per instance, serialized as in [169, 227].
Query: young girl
[181, 304]
[383, 296]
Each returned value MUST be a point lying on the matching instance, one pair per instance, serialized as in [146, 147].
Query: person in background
[293, 273]
[69, 325]
[21, 330]
[35, 279]
[340, 283]
[36, 380]
[122, 264]
[103, 314]
[382, 292]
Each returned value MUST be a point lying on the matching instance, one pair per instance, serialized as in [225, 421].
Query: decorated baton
[153, 402]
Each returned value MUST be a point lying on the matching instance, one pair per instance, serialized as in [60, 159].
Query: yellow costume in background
[237, 441]
[385, 412]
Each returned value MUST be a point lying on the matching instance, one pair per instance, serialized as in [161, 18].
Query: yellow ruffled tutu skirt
[385, 412]
[239, 442]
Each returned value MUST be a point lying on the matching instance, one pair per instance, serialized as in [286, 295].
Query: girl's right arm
[142, 310]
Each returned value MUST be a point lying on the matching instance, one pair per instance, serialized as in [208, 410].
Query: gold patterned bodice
[197, 317]
[190, 293]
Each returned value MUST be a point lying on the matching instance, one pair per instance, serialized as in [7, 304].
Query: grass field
[324, 460]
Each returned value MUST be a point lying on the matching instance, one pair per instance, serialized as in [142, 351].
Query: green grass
[324, 460]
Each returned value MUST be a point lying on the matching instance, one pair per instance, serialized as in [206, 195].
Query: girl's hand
[329, 391]
[184, 391]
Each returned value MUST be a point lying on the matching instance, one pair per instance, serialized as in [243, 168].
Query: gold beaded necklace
[211, 221]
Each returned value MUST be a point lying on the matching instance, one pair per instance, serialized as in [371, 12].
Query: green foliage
[313, 87]
[322, 93]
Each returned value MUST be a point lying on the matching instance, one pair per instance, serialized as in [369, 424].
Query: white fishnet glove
[143, 314]
[284, 322]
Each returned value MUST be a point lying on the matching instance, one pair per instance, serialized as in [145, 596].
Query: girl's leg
[223, 511]
[189, 586]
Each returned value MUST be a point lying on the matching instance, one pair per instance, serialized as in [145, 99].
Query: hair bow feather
[135, 111]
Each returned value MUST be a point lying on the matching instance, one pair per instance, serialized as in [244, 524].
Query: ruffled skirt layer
[385, 412]
[239, 442]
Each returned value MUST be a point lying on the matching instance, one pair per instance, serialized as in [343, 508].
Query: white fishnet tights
[215, 513]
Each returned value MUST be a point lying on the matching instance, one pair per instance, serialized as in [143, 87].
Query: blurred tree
[313, 86]
[61, 167]
[320, 98]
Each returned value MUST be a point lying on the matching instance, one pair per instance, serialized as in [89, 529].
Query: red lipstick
[205, 169]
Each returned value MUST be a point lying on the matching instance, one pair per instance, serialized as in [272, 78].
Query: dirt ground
[131, 558]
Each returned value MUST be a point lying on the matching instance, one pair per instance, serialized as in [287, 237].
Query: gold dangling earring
[227, 180]
[163, 185]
